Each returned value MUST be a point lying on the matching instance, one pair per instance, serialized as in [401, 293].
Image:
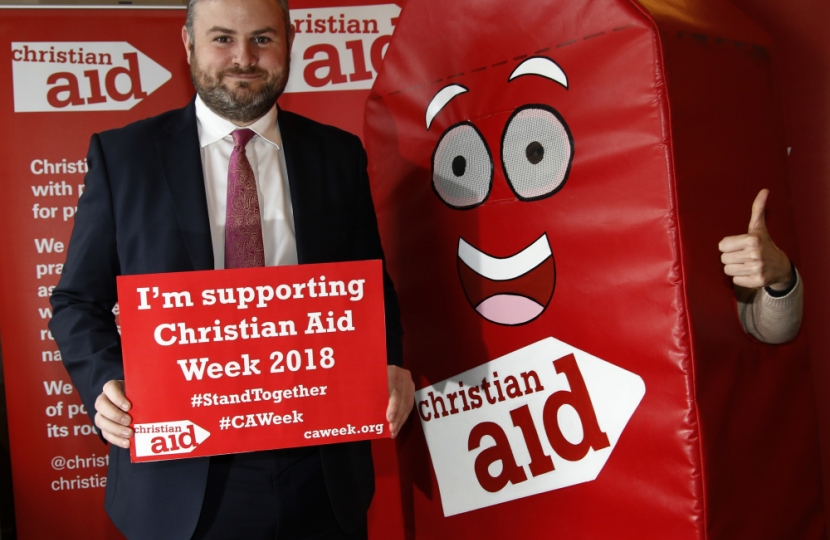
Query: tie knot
[242, 136]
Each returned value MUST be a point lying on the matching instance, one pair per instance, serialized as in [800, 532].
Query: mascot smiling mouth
[510, 291]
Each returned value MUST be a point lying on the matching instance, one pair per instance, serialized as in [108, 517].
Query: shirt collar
[213, 127]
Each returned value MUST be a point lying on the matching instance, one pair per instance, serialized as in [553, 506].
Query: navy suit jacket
[144, 210]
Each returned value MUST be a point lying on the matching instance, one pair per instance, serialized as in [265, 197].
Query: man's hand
[752, 259]
[401, 398]
[111, 414]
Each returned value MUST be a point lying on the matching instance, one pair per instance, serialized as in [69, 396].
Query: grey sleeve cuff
[772, 319]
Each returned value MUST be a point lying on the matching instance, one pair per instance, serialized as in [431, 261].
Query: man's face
[239, 56]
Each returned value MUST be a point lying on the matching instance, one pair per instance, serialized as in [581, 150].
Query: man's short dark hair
[191, 5]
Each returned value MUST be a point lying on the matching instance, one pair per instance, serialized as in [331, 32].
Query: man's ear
[186, 41]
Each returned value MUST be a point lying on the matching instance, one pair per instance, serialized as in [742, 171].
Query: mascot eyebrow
[444, 96]
[543, 67]
[535, 65]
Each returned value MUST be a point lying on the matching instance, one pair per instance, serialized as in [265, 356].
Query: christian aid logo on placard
[167, 438]
[538, 419]
[339, 48]
[82, 76]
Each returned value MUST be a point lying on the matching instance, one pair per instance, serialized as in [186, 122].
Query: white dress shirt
[267, 159]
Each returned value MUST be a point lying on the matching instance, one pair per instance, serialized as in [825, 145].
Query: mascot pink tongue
[550, 210]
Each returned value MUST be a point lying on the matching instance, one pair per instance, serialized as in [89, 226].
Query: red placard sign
[225, 361]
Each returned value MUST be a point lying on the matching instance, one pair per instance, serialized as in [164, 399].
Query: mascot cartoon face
[475, 163]
[515, 174]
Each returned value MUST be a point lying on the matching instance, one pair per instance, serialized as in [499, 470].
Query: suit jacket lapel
[182, 164]
[305, 173]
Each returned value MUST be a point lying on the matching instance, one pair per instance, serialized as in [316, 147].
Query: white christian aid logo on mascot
[82, 76]
[541, 418]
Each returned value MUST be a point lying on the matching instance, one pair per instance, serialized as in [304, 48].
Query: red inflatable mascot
[552, 180]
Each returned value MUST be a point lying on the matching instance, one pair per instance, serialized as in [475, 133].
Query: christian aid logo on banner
[541, 418]
[339, 48]
[168, 438]
[82, 76]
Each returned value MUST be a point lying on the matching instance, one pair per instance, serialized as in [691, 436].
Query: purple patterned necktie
[243, 229]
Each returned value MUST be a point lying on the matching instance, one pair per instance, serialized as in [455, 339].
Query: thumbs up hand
[752, 259]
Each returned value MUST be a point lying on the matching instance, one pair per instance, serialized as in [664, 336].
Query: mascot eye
[536, 152]
[462, 167]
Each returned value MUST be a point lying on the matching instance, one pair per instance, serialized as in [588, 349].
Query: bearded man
[158, 199]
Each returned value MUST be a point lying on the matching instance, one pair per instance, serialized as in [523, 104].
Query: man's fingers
[114, 390]
[115, 433]
[401, 414]
[750, 243]
[748, 255]
[392, 407]
[401, 398]
[392, 413]
[757, 221]
[108, 410]
[111, 416]
[739, 242]
[403, 405]
[744, 269]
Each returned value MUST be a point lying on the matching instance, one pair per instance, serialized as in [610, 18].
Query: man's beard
[240, 104]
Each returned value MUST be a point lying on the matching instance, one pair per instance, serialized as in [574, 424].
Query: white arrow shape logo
[82, 76]
[168, 438]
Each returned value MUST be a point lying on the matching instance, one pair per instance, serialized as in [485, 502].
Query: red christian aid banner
[72, 72]
[67, 74]
[227, 361]
[336, 57]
